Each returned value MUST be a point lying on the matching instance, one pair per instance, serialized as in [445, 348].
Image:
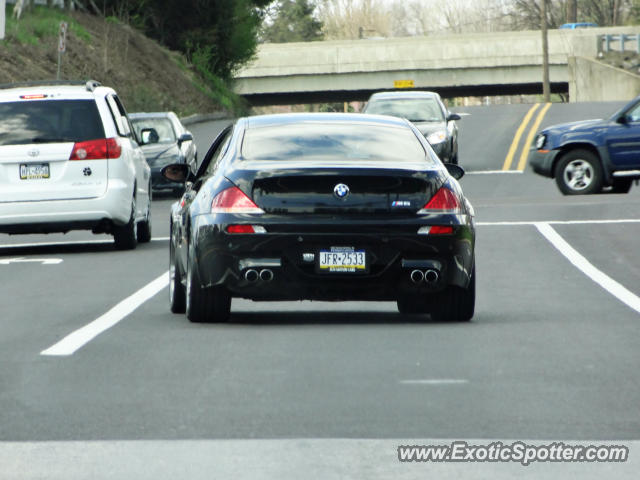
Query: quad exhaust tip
[266, 275]
[417, 276]
[431, 276]
[251, 275]
[428, 276]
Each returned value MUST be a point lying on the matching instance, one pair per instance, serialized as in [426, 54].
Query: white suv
[69, 160]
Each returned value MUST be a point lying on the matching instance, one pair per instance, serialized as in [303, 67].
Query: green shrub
[215, 87]
[40, 23]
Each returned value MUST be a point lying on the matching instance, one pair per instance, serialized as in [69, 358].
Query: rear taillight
[100, 149]
[246, 229]
[435, 230]
[444, 201]
[233, 200]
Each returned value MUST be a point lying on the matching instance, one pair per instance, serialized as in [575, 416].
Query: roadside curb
[207, 117]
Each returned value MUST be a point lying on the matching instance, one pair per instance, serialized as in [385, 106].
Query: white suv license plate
[34, 171]
[342, 260]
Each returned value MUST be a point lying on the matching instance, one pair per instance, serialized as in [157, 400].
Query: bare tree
[607, 12]
[365, 18]
[351, 19]
[459, 16]
[526, 13]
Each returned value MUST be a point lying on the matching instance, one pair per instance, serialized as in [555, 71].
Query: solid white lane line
[435, 381]
[42, 261]
[72, 242]
[502, 224]
[77, 339]
[328, 458]
[558, 222]
[55, 244]
[492, 172]
[580, 262]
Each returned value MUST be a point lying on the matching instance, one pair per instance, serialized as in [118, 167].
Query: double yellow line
[532, 132]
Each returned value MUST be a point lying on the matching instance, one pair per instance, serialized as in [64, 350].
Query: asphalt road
[330, 390]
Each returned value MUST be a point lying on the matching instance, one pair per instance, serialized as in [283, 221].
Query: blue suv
[586, 156]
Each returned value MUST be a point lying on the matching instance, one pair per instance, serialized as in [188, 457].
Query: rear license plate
[342, 260]
[34, 171]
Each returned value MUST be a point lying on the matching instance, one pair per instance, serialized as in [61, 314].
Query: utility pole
[572, 11]
[546, 90]
[62, 44]
[3, 6]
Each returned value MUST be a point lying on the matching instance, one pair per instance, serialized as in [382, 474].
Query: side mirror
[149, 135]
[185, 137]
[176, 172]
[456, 171]
[453, 116]
[622, 119]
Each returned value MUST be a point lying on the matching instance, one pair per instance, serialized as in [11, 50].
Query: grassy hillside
[147, 76]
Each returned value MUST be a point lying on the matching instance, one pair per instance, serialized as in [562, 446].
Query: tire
[621, 185]
[205, 305]
[454, 157]
[177, 297]
[579, 173]
[144, 228]
[456, 304]
[125, 236]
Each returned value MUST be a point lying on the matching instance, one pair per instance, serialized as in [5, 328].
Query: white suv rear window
[49, 121]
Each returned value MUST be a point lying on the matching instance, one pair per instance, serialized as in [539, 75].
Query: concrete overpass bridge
[504, 63]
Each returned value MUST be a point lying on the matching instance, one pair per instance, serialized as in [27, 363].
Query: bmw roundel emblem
[341, 190]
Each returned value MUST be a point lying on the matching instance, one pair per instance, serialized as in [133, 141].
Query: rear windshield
[335, 142]
[162, 126]
[413, 109]
[49, 121]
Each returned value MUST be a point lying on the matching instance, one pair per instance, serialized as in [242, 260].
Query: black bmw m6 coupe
[322, 207]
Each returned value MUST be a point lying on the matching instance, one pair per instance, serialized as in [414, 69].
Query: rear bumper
[224, 259]
[64, 215]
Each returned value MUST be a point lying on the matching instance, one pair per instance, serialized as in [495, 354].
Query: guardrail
[605, 41]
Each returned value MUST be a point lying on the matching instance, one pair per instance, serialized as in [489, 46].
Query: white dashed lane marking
[77, 339]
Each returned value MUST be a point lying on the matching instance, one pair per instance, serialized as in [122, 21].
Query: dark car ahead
[164, 140]
[586, 156]
[427, 112]
[324, 207]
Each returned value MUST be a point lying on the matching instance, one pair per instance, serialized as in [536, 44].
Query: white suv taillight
[99, 149]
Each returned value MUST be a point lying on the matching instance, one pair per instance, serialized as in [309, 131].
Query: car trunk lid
[339, 188]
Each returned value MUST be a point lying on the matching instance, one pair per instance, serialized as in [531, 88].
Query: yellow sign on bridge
[403, 84]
